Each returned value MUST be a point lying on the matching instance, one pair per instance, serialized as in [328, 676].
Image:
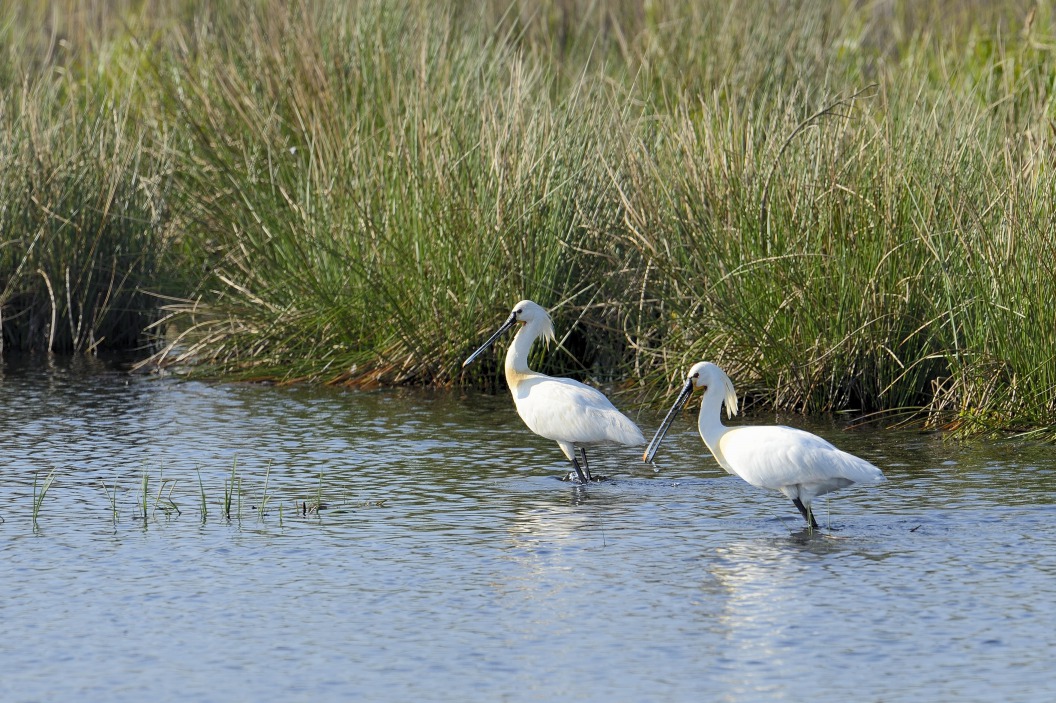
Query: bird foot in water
[572, 477]
[807, 534]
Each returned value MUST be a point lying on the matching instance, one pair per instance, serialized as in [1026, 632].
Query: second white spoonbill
[799, 464]
[569, 412]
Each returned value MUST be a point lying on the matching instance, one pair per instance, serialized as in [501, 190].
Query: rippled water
[448, 564]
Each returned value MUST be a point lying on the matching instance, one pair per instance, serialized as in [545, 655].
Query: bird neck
[710, 420]
[517, 354]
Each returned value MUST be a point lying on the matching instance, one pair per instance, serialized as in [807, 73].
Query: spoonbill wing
[776, 456]
[565, 410]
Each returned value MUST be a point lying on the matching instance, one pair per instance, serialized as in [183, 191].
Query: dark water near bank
[448, 564]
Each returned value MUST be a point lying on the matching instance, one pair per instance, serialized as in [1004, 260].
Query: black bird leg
[579, 472]
[806, 512]
[586, 467]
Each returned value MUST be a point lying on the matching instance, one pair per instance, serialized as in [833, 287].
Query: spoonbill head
[799, 464]
[568, 412]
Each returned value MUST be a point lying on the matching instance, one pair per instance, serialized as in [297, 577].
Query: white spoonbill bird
[566, 411]
[797, 463]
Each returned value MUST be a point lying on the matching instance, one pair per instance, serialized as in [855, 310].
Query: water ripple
[448, 562]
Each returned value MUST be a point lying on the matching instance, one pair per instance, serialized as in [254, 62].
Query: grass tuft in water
[316, 504]
[111, 496]
[232, 493]
[264, 498]
[144, 483]
[163, 500]
[203, 507]
[38, 495]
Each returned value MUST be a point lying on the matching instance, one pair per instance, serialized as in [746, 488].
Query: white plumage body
[796, 463]
[571, 413]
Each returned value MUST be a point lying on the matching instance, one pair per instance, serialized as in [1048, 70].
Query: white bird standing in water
[566, 411]
[798, 464]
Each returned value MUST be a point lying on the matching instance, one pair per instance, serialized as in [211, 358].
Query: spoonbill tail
[798, 464]
[566, 411]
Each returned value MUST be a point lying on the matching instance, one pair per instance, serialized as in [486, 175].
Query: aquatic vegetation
[38, 495]
[317, 504]
[262, 509]
[228, 496]
[849, 206]
[203, 506]
[157, 493]
[111, 496]
[232, 493]
[163, 500]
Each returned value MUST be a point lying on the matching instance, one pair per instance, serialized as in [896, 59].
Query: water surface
[448, 563]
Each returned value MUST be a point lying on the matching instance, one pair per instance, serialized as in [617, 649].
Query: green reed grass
[163, 499]
[83, 187]
[203, 507]
[150, 501]
[363, 227]
[111, 496]
[162, 493]
[38, 495]
[264, 497]
[144, 483]
[232, 493]
[847, 205]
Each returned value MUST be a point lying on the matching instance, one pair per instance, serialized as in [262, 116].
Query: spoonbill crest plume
[799, 464]
[569, 412]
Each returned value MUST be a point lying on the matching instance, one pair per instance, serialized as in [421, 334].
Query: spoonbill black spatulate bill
[798, 464]
[566, 411]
